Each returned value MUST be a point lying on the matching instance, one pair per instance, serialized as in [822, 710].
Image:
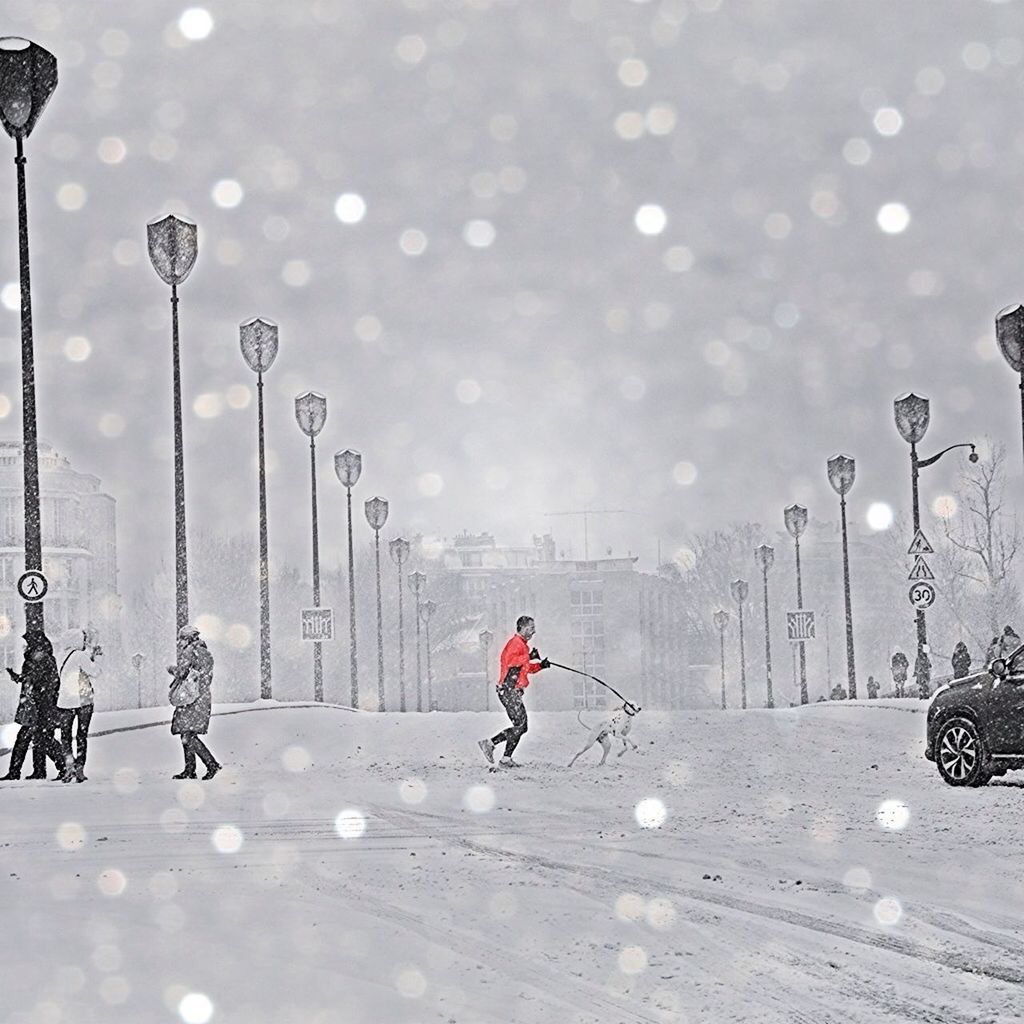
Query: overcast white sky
[665, 257]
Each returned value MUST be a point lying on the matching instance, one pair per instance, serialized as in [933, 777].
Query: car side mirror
[999, 668]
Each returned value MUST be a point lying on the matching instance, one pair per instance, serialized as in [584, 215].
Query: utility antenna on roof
[585, 512]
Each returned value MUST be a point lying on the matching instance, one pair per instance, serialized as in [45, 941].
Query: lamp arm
[921, 463]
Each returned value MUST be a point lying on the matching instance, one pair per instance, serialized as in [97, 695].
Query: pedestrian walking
[518, 663]
[79, 667]
[190, 693]
[36, 713]
[872, 688]
[961, 660]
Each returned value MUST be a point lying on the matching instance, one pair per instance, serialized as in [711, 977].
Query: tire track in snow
[841, 930]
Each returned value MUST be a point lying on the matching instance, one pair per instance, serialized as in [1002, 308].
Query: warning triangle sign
[920, 546]
[921, 570]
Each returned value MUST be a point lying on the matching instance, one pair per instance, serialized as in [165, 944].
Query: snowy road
[773, 891]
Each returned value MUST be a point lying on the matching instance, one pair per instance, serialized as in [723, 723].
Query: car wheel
[960, 754]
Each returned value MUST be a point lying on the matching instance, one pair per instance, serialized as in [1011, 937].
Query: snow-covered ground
[368, 868]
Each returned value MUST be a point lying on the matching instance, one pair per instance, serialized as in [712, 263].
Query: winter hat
[187, 632]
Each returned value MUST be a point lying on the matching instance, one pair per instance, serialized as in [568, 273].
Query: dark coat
[194, 717]
[40, 682]
[961, 661]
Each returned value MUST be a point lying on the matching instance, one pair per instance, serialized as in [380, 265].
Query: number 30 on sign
[922, 595]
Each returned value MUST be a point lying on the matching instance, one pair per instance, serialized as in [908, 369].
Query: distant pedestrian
[923, 674]
[838, 692]
[518, 662]
[79, 666]
[872, 688]
[899, 666]
[1009, 642]
[36, 713]
[190, 693]
[961, 660]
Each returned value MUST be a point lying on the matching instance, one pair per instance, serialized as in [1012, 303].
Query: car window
[1016, 661]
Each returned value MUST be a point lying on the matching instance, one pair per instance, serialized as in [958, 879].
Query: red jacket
[517, 652]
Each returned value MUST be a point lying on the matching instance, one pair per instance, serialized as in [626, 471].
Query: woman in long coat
[36, 710]
[192, 720]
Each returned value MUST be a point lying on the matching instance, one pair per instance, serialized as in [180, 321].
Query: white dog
[617, 725]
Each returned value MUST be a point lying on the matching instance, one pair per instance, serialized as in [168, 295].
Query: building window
[9, 520]
[587, 631]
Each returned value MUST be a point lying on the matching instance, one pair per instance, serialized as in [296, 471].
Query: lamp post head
[973, 457]
[912, 415]
[417, 580]
[486, 636]
[347, 466]
[258, 338]
[311, 413]
[796, 520]
[842, 471]
[173, 246]
[137, 660]
[721, 618]
[376, 512]
[764, 556]
[28, 76]
[739, 590]
[1010, 335]
[427, 610]
[399, 549]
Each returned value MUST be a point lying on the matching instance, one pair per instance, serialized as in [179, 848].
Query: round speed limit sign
[922, 595]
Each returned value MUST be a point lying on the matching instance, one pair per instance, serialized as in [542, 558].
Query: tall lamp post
[347, 466]
[796, 522]
[137, 660]
[399, 549]
[258, 339]
[721, 618]
[842, 470]
[173, 248]
[486, 636]
[28, 77]
[913, 414]
[417, 581]
[311, 415]
[764, 556]
[1010, 335]
[427, 611]
[377, 515]
[739, 590]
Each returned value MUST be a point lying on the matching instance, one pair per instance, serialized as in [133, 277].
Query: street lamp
[399, 549]
[764, 556]
[1010, 335]
[258, 339]
[311, 415]
[912, 413]
[377, 515]
[842, 470]
[739, 590]
[347, 467]
[721, 618]
[28, 77]
[427, 611]
[173, 247]
[417, 581]
[486, 636]
[796, 522]
[137, 660]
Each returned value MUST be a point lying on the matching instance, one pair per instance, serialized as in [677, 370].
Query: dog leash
[554, 664]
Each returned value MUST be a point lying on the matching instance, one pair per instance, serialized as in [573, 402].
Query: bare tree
[987, 538]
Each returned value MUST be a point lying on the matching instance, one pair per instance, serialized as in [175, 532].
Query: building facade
[601, 616]
[79, 535]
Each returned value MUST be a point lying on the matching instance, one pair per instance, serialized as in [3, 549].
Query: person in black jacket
[961, 660]
[39, 685]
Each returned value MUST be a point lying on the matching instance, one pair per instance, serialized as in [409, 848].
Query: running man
[518, 663]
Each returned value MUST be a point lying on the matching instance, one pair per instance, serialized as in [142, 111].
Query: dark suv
[976, 724]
